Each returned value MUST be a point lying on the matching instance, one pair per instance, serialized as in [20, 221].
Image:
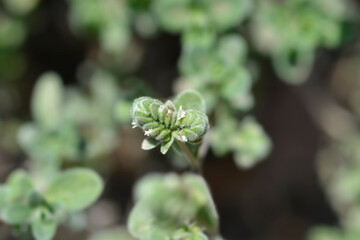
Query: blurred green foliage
[79, 125]
[106, 20]
[171, 206]
[246, 139]
[338, 165]
[71, 124]
[35, 208]
[290, 32]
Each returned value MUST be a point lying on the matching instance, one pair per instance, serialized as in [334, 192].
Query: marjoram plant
[172, 206]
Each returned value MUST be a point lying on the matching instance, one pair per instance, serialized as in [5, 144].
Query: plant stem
[194, 162]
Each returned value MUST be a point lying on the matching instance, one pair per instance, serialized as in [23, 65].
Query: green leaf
[19, 185]
[238, 85]
[4, 193]
[139, 222]
[207, 214]
[143, 224]
[232, 50]
[16, 213]
[165, 203]
[251, 144]
[189, 232]
[114, 39]
[75, 189]
[46, 103]
[171, 15]
[294, 73]
[228, 13]
[43, 227]
[159, 233]
[43, 230]
[166, 146]
[190, 99]
[221, 133]
[149, 143]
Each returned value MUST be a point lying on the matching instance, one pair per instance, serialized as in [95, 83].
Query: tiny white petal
[183, 138]
[148, 133]
[181, 113]
[134, 124]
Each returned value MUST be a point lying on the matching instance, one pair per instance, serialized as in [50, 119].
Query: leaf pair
[21, 204]
[184, 120]
[170, 206]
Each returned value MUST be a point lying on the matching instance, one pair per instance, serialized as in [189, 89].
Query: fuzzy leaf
[194, 125]
[43, 230]
[165, 203]
[235, 11]
[251, 144]
[149, 143]
[166, 146]
[207, 214]
[19, 184]
[43, 227]
[75, 189]
[4, 192]
[191, 233]
[190, 99]
[46, 103]
[232, 49]
[139, 222]
[16, 213]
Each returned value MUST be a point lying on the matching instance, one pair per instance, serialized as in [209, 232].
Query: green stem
[194, 162]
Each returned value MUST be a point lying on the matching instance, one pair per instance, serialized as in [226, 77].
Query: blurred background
[281, 79]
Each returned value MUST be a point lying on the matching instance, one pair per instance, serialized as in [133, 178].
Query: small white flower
[134, 124]
[161, 108]
[182, 137]
[168, 114]
[181, 113]
[148, 133]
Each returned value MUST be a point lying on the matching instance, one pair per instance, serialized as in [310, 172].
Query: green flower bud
[165, 122]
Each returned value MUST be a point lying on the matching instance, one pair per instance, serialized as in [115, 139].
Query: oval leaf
[190, 99]
[75, 189]
[47, 99]
[19, 185]
[43, 226]
[16, 213]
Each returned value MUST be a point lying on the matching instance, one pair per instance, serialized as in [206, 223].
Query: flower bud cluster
[164, 122]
